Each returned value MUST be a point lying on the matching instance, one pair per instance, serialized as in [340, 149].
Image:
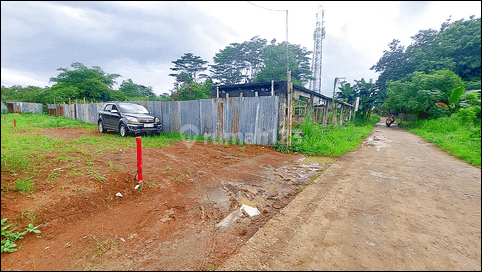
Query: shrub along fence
[253, 120]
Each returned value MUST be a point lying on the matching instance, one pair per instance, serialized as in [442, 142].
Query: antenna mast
[316, 63]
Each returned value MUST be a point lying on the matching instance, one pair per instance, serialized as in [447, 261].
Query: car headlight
[132, 119]
[156, 120]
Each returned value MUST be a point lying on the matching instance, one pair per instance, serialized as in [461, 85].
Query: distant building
[304, 99]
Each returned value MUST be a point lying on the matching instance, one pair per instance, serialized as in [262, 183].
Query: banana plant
[346, 93]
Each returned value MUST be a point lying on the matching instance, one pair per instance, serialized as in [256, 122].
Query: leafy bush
[421, 93]
[438, 112]
[468, 115]
[470, 99]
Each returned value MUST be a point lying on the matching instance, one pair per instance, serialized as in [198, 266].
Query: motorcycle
[390, 120]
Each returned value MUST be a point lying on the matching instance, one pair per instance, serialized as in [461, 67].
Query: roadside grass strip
[457, 138]
[333, 141]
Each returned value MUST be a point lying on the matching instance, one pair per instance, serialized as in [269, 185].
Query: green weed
[311, 138]
[102, 179]
[31, 215]
[9, 236]
[25, 185]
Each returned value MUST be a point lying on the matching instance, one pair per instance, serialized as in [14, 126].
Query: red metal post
[4, 119]
[139, 159]
[14, 123]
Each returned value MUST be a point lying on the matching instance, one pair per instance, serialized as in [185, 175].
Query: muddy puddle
[252, 200]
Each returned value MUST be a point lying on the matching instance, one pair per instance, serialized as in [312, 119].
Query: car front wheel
[101, 127]
[123, 130]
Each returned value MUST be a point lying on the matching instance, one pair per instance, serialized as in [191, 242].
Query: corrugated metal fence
[253, 120]
[24, 107]
[84, 112]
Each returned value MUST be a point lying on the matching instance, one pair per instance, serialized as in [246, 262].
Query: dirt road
[397, 203]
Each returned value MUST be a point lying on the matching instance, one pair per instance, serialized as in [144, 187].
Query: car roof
[123, 102]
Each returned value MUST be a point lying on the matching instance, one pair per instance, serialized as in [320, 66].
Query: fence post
[341, 115]
[139, 159]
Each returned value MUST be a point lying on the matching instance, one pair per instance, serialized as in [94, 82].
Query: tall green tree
[191, 65]
[91, 83]
[239, 62]
[274, 59]
[456, 46]
[461, 42]
[60, 93]
[392, 64]
[253, 56]
[80, 73]
[192, 91]
[131, 89]
[18, 93]
[421, 93]
[229, 65]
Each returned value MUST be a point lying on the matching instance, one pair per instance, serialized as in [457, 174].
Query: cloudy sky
[139, 40]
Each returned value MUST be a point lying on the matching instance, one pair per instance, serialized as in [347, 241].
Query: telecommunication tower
[318, 36]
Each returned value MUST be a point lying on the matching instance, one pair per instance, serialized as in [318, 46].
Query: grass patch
[25, 185]
[457, 138]
[313, 139]
[27, 121]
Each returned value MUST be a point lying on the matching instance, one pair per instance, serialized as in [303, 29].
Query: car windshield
[132, 108]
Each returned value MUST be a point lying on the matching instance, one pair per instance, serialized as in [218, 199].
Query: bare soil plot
[185, 216]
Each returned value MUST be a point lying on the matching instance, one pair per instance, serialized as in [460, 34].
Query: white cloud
[147, 74]
[13, 77]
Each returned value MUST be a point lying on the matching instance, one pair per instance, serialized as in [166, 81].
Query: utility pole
[288, 86]
[288, 76]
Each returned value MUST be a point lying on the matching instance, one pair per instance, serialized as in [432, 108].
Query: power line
[266, 8]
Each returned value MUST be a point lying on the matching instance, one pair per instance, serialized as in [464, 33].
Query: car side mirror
[114, 111]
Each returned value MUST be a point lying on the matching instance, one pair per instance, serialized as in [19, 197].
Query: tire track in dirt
[289, 223]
